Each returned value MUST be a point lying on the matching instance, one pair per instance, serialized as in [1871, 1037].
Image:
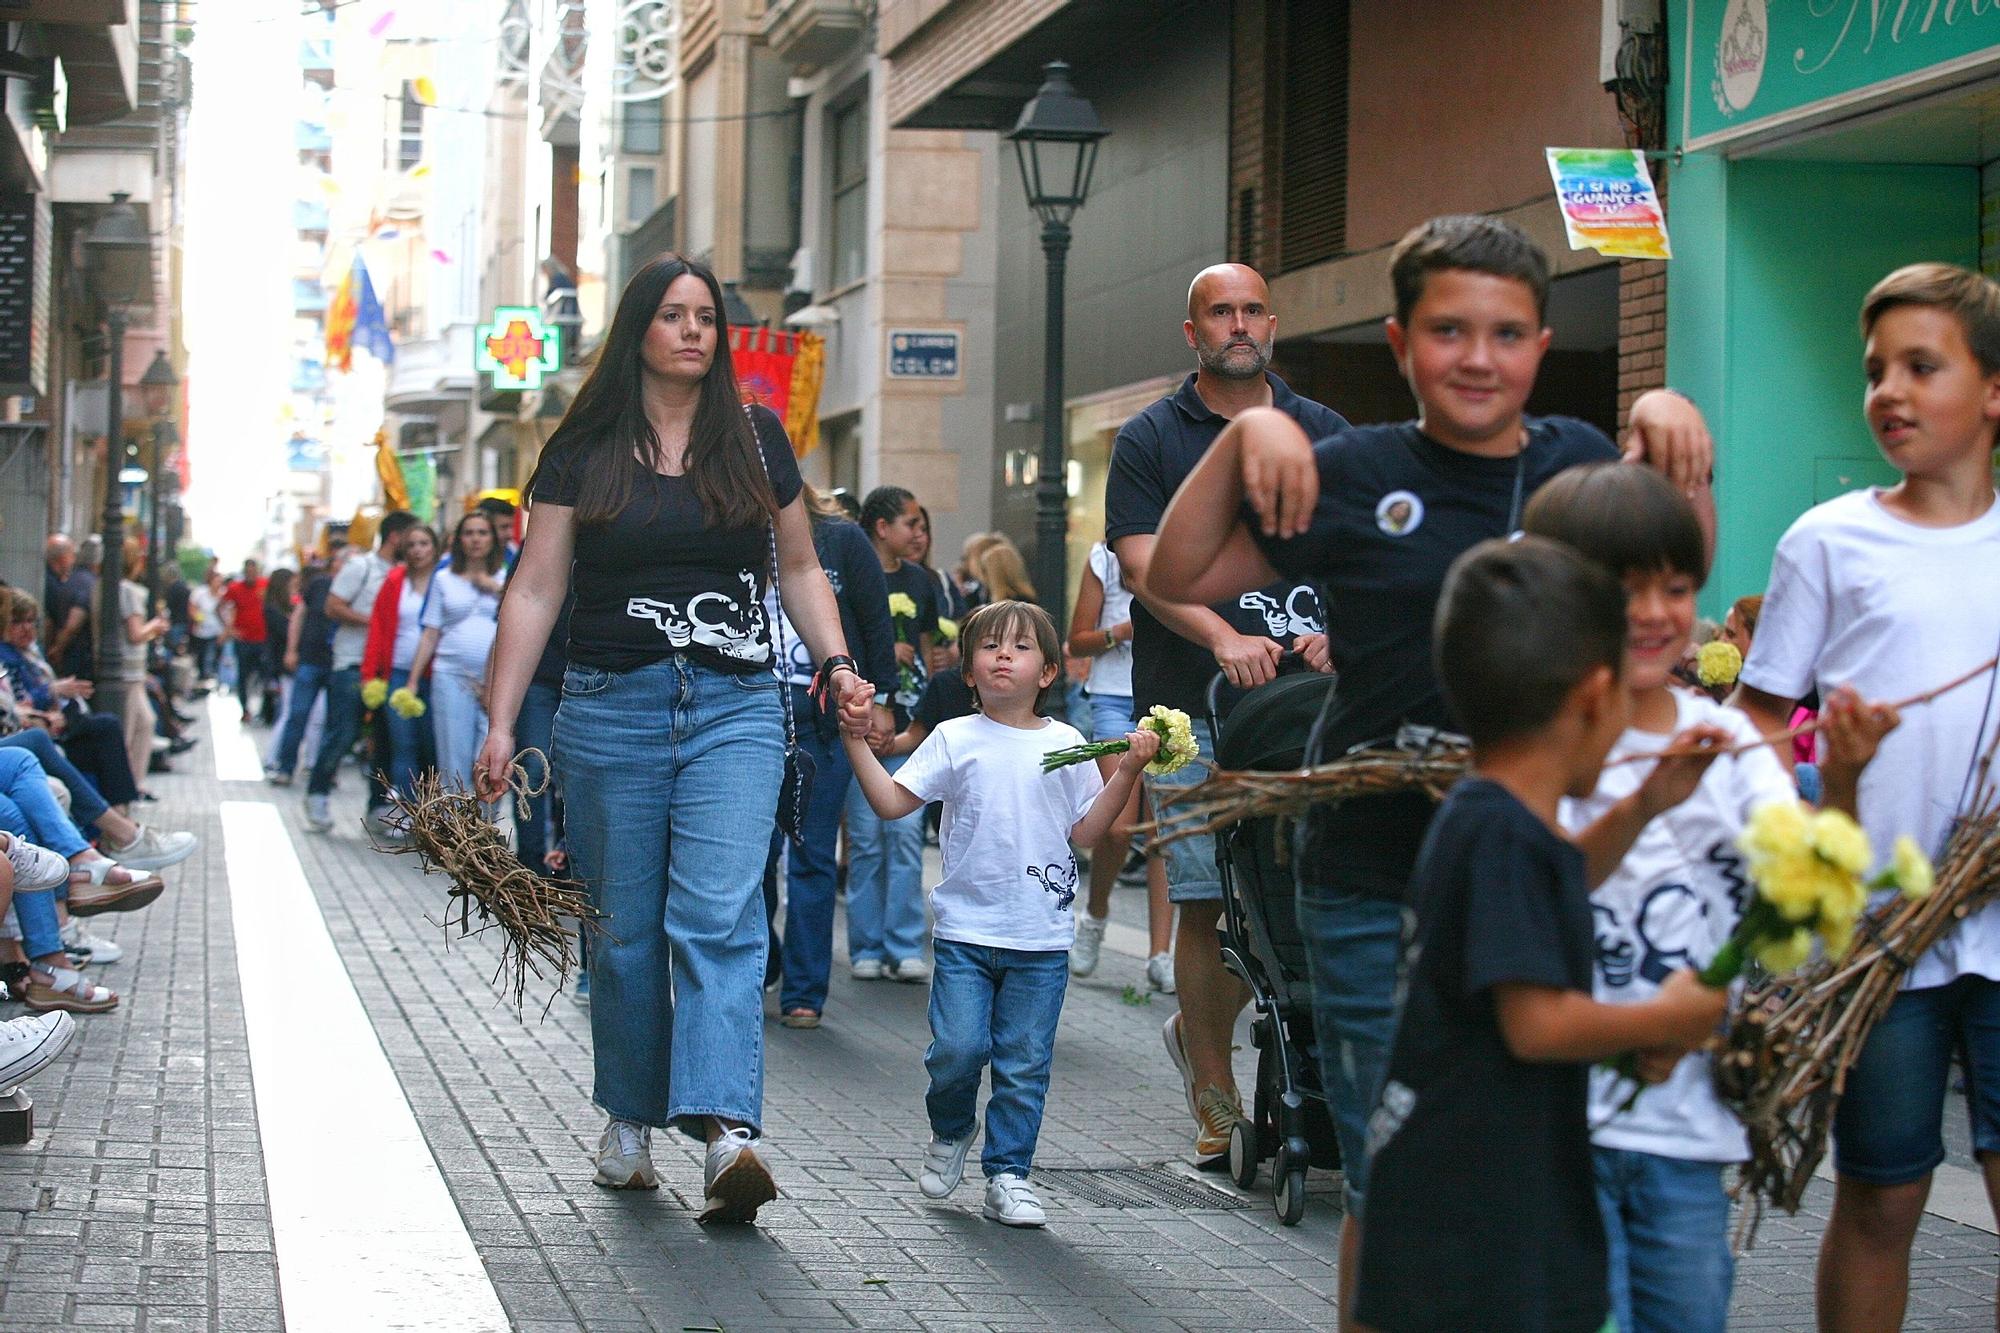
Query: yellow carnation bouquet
[1178, 747]
[1718, 664]
[947, 629]
[407, 703]
[902, 611]
[374, 693]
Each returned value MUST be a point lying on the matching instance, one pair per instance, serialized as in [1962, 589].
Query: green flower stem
[1077, 754]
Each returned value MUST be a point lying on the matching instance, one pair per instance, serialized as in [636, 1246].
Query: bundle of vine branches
[1783, 1061]
[447, 830]
[1229, 796]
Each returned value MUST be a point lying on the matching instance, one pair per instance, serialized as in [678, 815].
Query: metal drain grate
[1138, 1187]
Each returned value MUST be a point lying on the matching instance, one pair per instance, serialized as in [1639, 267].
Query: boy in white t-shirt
[1891, 591]
[1660, 839]
[1003, 912]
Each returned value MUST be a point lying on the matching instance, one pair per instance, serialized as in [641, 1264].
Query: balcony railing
[308, 296]
[309, 215]
[649, 238]
[312, 138]
[316, 53]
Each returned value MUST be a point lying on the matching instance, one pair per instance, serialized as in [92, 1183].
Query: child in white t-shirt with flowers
[1670, 887]
[1004, 918]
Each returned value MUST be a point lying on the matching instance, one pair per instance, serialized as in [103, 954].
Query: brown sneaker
[106, 886]
[1216, 1112]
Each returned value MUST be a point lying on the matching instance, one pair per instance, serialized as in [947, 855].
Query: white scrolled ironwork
[646, 50]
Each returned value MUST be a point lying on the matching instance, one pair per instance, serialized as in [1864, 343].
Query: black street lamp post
[158, 384]
[1055, 142]
[118, 257]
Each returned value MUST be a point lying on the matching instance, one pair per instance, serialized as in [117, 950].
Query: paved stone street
[142, 1203]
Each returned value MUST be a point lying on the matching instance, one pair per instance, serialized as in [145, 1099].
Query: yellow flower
[1838, 839]
[1838, 933]
[373, 692]
[1792, 885]
[902, 605]
[1177, 743]
[947, 627]
[1775, 831]
[1786, 953]
[1912, 869]
[406, 703]
[1718, 663]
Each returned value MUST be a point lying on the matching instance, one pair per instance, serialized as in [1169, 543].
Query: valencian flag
[355, 317]
[783, 372]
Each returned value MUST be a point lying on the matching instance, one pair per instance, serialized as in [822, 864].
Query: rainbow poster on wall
[1608, 202]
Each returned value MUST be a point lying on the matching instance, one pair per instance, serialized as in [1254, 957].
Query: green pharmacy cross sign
[517, 349]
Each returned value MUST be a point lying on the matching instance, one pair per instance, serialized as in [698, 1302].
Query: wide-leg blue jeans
[814, 864]
[885, 880]
[670, 776]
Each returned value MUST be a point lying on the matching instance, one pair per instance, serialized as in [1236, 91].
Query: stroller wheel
[1243, 1154]
[1288, 1196]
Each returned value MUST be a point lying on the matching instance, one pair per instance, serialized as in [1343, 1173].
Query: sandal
[104, 894]
[800, 1018]
[64, 988]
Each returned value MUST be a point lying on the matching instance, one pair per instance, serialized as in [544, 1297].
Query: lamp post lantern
[158, 385]
[118, 257]
[1055, 142]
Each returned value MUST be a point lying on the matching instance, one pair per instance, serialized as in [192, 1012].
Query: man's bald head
[61, 555]
[1229, 323]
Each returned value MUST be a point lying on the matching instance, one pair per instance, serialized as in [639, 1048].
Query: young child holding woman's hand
[1004, 919]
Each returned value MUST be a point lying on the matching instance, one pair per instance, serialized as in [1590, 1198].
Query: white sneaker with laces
[99, 949]
[1011, 1203]
[153, 850]
[944, 1167]
[29, 1043]
[1083, 954]
[319, 812]
[909, 969]
[1160, 973]
[865, 969]
[625, 1157]
[737, 1183]
[35, 868]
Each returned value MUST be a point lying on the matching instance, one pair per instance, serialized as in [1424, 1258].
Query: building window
[410, 132]
[641, 190]
[1311, 178]
[644, 129]
[848, 178]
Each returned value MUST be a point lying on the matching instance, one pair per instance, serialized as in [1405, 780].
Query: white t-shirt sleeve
[440, 600]
[927, 775]
[1759, 777]
[1081, 785]
[1792, 630]
[349, 582]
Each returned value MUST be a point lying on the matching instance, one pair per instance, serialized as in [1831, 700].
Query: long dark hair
[495, 555]
[607, 444]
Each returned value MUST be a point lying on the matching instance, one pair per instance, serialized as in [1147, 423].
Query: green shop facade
[1815, 145]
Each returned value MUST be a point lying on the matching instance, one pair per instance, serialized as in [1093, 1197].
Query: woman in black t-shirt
[660, 493]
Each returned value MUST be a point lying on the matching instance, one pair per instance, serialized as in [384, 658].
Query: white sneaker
[1010, 1202]
[736, 1182]
[78, 940]
[944, 1167]
[625, 1157]
[319, 812]
[29, 1043]
[908, 969]
[1089, 944]
[1160, 973]
[154, 850]
[865, 969]
[35, 868]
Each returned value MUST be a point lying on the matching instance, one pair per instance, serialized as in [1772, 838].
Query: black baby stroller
[1267, 728]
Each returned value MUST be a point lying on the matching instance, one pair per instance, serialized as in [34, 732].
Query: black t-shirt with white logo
[1482, 1202]
[1395, 509]
[1153, 455]
[916, 583]
[658, 580]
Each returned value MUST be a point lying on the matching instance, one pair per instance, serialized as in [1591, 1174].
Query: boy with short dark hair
[1376, 515]
[1482, 1209]
[1887, 591]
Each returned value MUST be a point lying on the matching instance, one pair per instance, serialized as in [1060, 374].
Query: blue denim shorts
[1889, 1128]
[1110, 716]
[1192, 876]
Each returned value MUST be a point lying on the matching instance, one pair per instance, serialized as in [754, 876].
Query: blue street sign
[922, 355]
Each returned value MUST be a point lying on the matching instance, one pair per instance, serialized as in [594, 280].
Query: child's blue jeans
[1666, 1222]
[997, 1007]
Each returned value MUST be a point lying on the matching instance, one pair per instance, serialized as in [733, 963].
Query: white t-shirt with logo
[1010, 879]
[1859, 597]
[1671, 903]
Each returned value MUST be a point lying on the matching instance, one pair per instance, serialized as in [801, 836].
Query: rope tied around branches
[538, 916]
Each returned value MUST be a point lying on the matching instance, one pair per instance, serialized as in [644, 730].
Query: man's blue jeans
[669, 777]
[1666, 1222]
[997, 1007]
[307, 682]
[885, 880]
[343, 726]
[812, 865]
[534, 726]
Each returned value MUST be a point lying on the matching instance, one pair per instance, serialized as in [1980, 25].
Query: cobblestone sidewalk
[141, 1204]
